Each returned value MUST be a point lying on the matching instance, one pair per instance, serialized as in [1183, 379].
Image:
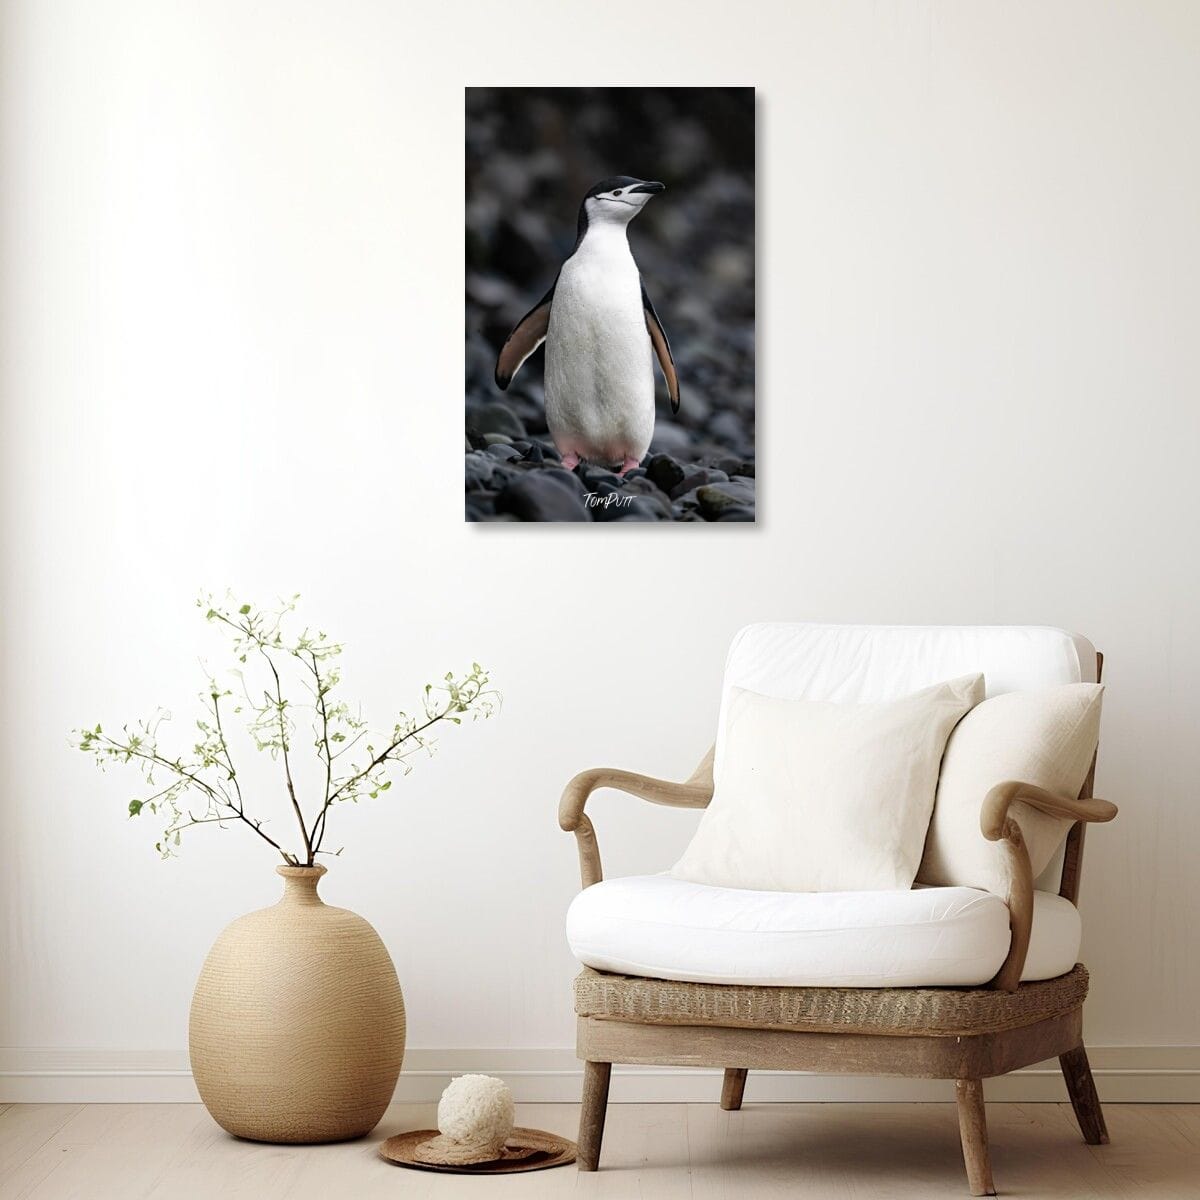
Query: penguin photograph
[610, 304]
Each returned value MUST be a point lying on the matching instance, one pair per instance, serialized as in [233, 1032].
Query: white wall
[232, 355]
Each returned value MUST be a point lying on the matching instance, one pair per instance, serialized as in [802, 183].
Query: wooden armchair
[963, 1034]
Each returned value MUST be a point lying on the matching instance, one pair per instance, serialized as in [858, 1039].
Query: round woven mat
[526, 1150]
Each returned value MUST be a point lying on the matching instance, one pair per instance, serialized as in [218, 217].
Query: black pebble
[480, 468]
[542, 496]
[642, 509]
[595, 476]
[664, 471]
[716, 499]
[696, 479]
[494, 418]
[480, 508]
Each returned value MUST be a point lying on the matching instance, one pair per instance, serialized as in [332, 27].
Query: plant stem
[328, 752]
[287, 766]
[247, 629]
[218, 797]
[379, 758]
[237, 787]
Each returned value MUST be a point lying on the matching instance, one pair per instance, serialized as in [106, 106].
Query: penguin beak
[652, 187]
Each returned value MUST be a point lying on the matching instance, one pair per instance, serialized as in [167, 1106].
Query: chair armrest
[996, 803]
[695, 793]
[997, 825]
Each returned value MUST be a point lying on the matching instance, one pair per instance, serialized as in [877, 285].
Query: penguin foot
[628, 465]
[570, 460]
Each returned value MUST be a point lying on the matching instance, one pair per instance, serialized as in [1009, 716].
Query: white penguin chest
[599, 373]
[597, 325]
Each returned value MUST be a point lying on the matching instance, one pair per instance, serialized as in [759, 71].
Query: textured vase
[297, 1025]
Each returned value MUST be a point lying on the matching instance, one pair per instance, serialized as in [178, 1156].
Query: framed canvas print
[610, 305]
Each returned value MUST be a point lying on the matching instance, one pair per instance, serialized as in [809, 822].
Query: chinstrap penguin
[599, 328]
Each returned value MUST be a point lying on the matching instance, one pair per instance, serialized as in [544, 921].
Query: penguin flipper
[526, 336]
[662, 347]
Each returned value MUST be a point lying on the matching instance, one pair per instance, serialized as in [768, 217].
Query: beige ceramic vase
[297, 1026]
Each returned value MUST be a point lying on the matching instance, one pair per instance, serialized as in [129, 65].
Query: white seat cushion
[666, 928]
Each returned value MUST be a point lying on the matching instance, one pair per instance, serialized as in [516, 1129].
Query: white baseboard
[1132, 1074]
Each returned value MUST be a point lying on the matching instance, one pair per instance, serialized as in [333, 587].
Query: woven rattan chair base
[917, 1012]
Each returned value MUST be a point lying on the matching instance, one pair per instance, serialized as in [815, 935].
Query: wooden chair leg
[733, 1088]
[1081, 1087]
[972, 1128]
[591, 1117]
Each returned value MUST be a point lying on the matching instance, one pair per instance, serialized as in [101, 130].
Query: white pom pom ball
[476, 1110]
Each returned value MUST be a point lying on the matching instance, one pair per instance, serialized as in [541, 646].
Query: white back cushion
[872, 664]
[1045, 737]
[814, 796]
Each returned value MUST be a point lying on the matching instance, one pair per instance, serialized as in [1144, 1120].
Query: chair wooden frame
[966, 1056]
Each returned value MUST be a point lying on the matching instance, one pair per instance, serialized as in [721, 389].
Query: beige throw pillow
[818, 797]
[1047, 738]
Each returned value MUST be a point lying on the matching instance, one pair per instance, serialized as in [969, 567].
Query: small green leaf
[135, 807]
[244, 609]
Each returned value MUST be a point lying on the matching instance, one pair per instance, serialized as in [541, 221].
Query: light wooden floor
[651, 1152]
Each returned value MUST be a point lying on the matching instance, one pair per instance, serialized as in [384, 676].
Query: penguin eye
[617, 192]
